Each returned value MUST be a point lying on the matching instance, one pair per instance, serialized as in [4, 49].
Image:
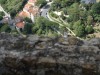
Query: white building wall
[32, 17]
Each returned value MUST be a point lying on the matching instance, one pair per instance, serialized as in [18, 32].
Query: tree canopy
[41, 3]
[44, 27]
[13, 6]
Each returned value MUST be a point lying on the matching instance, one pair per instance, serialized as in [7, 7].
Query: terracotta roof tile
[32, 1]
[24, 14]
[34, 11]
[27, 6]
[20, 24]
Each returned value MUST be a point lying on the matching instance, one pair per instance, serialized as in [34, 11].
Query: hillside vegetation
[13, 6]
[81, 17]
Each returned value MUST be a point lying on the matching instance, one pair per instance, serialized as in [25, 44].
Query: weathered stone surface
[36, 55]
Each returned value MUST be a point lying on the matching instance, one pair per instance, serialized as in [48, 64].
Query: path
[44, 13]
[60, 23]
[6, 14]
[63, 24]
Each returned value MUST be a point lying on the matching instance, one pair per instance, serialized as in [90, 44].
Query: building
[19, 22]
[29, 10]
[88, 1]
[20, 25]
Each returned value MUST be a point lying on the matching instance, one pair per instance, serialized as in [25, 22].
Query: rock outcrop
[36, 55]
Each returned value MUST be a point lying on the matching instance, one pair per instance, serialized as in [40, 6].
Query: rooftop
[20, 24]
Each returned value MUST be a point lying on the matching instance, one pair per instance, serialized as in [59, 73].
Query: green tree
[96, 8]
[97, 18]
[80, 31]
[41, 3]
[96, 11]
[83, 14]
[77, 24]
[28, 28]
[73, 12]
[1, 15]
[44, 26]
[79, 28]
[5, 28]
[89, 29]
[2, 1]
[13, 6]
[28, 20]
[89, 20]
[64, 10]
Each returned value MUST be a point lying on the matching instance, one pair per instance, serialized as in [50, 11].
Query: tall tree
[41, 3]
[44, 26]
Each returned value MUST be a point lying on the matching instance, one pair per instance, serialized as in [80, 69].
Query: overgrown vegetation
[42, 27]
[41, 3]
[81, 17]
[45, 27]
[13, 6]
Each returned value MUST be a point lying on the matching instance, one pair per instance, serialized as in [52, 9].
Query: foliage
[74, 11]
[79, 28]
[2, 1]
[77, 24]
[81, 17]
[59, 4]
[28, 28]
[96, 11]
[96, 8]
[80, 31]
[13, 6]
[5, 28]
[54, 15]
[28, 20]
[41, 3]
[1, 15]
[89, 20]
[44, 27]
[89, 29]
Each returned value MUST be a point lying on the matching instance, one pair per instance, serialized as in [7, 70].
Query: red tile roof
[24, 14]
[32, 1]
[29, 8]
[34, 10]
[20, 24]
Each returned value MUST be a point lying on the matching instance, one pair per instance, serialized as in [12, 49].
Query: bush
[28, 28]
[41, 3]
[1, 17]
[13, 6]
[5, 28]
[45, 27]
[28, 20]
[54, 15]
[89, 29]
